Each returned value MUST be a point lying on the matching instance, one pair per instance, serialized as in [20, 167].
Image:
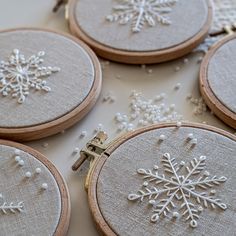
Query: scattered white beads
[182, 163]
[44, 186]
[99, 128]
[199, 105]
[28, 174]
[38, 170]
[109, 97]
[145, 112]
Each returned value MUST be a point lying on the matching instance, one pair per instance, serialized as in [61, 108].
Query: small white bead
[213, 192]
[38, 170]
[44, 186]
[83, 133]
[21, 162]
[28, 174]
[186, 60]
[177, 68]
[190, 136]
[100, 127]
[162, 137]
[17, 151]
[152, 202]
[178, 124]
[176, 214]
[194, 141]
[177, 86]
[172, 106]
[145, 184]
[17, 158]
[149, 71]
[200, 208]
[45, 145]
[182, 163]
[76, 150]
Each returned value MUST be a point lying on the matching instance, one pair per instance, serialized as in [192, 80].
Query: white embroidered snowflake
[18, 75]
[11, 207]
[183, 195]
[141, 12]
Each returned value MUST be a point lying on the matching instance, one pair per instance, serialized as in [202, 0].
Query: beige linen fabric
[42, 209]
[187, 17]
[222, 74]
[118, 178]
[69, 87]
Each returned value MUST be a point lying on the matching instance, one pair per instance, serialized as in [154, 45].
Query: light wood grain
[132, 57]
[101, 224]
[218, 108]
[67, 120]
[64, 220]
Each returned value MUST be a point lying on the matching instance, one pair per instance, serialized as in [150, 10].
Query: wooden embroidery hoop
[96, 167]
[218, 108]
[50, 128]
[64, 220]
[139, 57]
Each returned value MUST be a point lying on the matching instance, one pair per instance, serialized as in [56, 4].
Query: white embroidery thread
[11, 207]
[182, 188]
[141, 12]
[18, 75]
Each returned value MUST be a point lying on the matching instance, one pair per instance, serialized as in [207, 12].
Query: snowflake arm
[190, 211]
[151, 176]
[163, 207]
[203, 198]
[206, 182]
[196, 166]
[170, 166]
[11, 208]
[150, 193]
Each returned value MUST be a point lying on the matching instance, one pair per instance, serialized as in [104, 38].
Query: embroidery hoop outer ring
[101, 224]
[147, 57]
[64, 220]
[35, 132]
[224, 113]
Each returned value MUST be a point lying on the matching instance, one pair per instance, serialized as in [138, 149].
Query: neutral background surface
[118, 79]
